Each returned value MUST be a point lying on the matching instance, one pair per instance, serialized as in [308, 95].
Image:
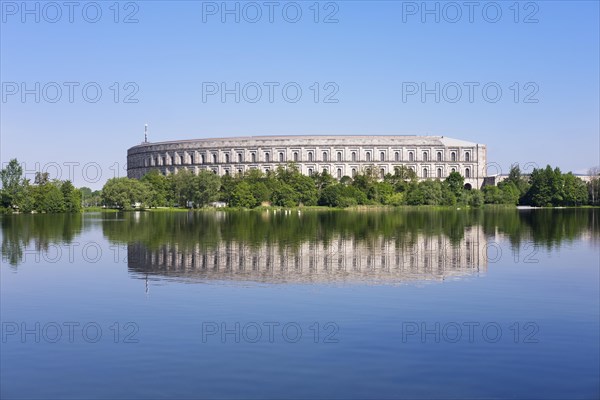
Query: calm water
[397, 304]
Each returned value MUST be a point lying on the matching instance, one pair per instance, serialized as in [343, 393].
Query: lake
[407, 303]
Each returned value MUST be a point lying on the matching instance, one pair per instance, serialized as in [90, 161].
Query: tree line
[43, 195]
[287, 187]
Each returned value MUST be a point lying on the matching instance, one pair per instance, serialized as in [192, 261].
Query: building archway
[468, 186]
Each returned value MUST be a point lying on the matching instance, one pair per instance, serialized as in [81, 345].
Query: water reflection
[376, 260]
[281, 246]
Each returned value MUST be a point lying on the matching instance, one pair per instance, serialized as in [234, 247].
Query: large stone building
[431, 157]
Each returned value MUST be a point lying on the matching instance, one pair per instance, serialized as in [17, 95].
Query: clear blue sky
[372, 54]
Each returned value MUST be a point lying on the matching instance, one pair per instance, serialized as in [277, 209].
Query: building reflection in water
[378, 261]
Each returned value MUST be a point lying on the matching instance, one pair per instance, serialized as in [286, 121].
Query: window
[253, 157]
[325, 171]
[239, 157]
[192, 159]
[453, 156]
[411, 156]
[339, 156]
[467, 156]
[296, 156]
[310, 172]
[324, 156]
[382, 173]
[425, 173]
[425, 155]
[368, 156]
[353, 156]
[339, 173]
[439, 156]
[397, 156]
[164, 160]
[467, 172]
[439, 172]
[453, 169]
[382, 156]
[239, 171]
[310, 156]
[353, 172]
[202, 159]
[227, 159]
[214, 158]
[280, 157]
[226, 172]
[267, 157]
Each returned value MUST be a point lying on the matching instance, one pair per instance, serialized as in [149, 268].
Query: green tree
[284, 195]
[575, 191]
[124, 193]
[11, 178]
[228, 185]
[515, 177]
[456, 183]
[205, 188]
[71, 197]
[242, 196]
[158, 188]
[476, 198]
[260, 192]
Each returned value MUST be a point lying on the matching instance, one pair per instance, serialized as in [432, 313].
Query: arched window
[226, 172]
[295, 156]
[382, 173]
[227, 158]
[382, 156]
[368, 156]
[425, 155]
[397, 156]
[467, 156]
[267, 157]
[310, 172]
[411, 156]
[324, 156]
[325, 171]
[353, 172]
[202, 159]
[192, 159]
[353, 156]
[253, 156]
[467, 172]
[280, 157]
[239, 157]
[453, 169]
[453, 156]
[425, 173]
[239, 171]
[214, 158]
[339, 173]
[439, 156]
[310, 156]
[439, 172]
[339, 156]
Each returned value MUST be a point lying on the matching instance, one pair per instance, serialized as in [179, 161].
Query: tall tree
[11, 178]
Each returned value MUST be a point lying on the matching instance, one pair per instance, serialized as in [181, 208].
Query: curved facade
[430, 157]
